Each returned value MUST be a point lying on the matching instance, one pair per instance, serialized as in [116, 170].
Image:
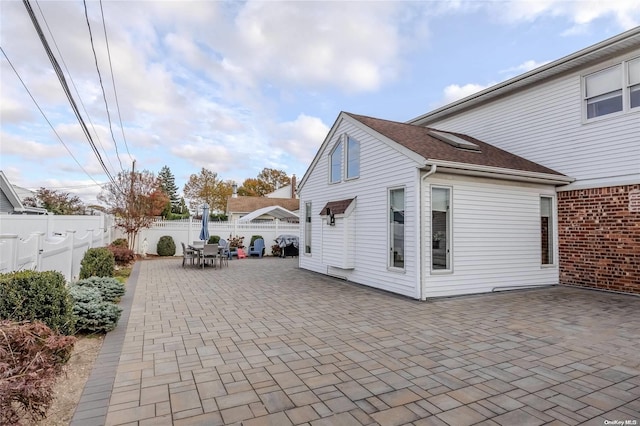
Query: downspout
[433, 169]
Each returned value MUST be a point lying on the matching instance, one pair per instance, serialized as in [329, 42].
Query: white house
[579, 115]
[426, 213]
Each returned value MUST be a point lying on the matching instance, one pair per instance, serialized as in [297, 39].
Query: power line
[45, 117]
[66, 90]
[104, 95]
[73, 83]
[115, 92]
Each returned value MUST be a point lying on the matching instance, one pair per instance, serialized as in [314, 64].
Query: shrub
[122, 255]
[253, 238]
[97, 262]
[110, 289]
[93, 314]
[120, 242]
[214, 239]
[166, 246]
[32, 357]
[32, 296]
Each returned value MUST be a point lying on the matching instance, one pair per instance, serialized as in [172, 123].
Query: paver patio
[265, 343]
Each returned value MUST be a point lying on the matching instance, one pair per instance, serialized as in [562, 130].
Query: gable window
[440, 229]
[603, 92]
[634, 82]
[546, 230]
[353, 158]
[307, 228]
[396, 228]
[336, 163]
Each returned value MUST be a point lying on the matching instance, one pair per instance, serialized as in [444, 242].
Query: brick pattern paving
[265, 343]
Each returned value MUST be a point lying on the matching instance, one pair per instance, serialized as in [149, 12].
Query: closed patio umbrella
[204, 231]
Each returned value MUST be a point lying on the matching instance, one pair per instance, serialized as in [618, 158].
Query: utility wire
[67, 92]
[104, 95]
[74, 84]
[46, 119]
[115, 92]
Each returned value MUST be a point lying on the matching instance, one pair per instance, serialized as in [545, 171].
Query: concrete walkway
[265, 343]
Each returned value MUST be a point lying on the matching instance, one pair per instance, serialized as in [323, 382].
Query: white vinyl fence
[187, 231]
[50, 243]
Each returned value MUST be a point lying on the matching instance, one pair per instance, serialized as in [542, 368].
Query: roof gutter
[497, 173]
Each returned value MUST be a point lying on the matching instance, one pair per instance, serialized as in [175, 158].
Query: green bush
[31, 296]
[166, 246]
[253, 238]
[110, 289]
[92, 313]
[214, 239]
[120, 242]
[97, 262]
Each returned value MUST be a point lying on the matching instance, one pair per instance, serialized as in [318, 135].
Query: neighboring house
[287, 191]
[240, 206]
[285, 197]
[426, 213]
[579, 115]
[10, 202]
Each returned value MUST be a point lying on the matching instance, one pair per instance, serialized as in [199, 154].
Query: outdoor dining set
[201, 254]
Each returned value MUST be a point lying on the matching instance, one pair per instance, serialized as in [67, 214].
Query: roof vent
[455, 141]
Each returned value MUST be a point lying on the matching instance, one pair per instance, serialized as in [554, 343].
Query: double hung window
[546, 230]
[612, 90]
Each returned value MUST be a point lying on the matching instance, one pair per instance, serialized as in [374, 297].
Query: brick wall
[599, 238]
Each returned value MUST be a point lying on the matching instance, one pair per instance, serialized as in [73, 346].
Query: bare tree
[135, 199]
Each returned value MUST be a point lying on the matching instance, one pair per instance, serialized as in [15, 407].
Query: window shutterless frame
[611, 91]
[441, 229]
[547, 231]
[335, 163]
[396, 234]
[307, 228]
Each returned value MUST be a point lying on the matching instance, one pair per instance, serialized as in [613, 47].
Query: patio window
[307, 228]
[546, 230]
[396, 228]
[353, 158]
[440, 229]
[335, 172]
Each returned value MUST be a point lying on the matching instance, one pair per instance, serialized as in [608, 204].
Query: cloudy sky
[239, 86]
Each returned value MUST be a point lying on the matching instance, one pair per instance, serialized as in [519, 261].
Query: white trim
[449, 237]
[499, 172]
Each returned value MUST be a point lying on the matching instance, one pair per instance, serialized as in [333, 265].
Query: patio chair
[210, 253]
[257, 248]
[188, 254]
[224, 252]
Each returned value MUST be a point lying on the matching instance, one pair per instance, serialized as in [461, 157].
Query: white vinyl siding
[381, 167]
[543, 123]
[496, 235]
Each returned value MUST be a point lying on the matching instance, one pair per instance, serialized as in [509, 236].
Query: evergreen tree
[168, 183]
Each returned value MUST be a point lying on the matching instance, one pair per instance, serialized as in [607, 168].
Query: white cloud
[301, 138]
[453, 92]
[626, 13]
[524, 67]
